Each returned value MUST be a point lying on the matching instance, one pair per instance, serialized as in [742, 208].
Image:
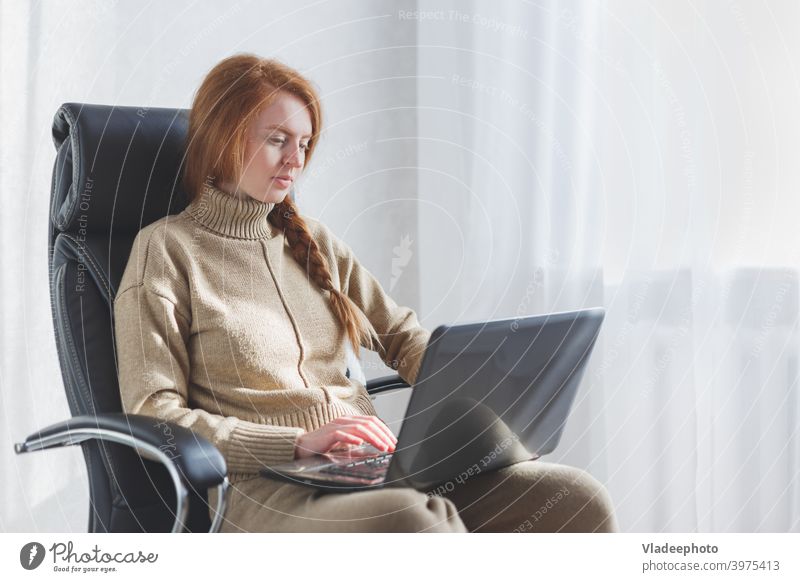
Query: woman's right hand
[348, 430]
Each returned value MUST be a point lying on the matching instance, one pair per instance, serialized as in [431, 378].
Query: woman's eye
[280, 141]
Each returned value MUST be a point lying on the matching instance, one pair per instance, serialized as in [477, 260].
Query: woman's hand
[348, 430]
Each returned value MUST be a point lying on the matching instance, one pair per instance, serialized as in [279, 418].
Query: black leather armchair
[118, 169]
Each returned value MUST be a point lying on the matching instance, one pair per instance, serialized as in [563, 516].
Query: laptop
[487, 395]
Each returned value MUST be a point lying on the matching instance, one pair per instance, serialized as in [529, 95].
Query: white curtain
[487, 160]
[642, 157]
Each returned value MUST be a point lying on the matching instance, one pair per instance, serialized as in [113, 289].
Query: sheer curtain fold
[614, 164]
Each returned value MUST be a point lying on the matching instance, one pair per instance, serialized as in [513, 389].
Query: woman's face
[275, 151]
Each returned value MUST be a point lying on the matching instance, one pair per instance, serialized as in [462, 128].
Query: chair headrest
[118, 168]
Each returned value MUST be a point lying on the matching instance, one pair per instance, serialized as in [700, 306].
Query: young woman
[237, 317]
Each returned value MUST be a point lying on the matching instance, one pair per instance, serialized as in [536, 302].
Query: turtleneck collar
[237, 217]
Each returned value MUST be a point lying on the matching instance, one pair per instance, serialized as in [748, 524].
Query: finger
[376, 426]
[382, 431]
[343, 437]
[386, 430]
[378, 441]
[386, 440]
[380, 425]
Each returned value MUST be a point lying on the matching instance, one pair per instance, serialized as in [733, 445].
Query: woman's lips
[282, 182]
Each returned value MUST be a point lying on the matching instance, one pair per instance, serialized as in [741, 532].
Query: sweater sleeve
[403, 339]
[152, 335]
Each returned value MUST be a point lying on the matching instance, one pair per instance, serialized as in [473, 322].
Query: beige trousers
[531, 496]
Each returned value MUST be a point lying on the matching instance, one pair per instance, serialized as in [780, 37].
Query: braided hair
[306, 252]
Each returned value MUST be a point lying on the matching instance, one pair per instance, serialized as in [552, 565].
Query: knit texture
[220, 330]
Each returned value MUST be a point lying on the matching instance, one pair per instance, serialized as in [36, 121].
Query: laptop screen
[491, 394]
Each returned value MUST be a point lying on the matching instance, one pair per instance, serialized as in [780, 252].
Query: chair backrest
[117, 169]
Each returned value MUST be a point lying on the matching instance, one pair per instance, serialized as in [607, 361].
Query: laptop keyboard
[368, 467]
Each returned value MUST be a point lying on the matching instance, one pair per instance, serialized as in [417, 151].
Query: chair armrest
[385, 384]
[199, 462]
[188, 457]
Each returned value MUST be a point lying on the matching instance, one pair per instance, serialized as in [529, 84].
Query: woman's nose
[295, 159]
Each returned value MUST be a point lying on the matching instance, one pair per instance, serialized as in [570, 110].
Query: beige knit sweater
[219, 329]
